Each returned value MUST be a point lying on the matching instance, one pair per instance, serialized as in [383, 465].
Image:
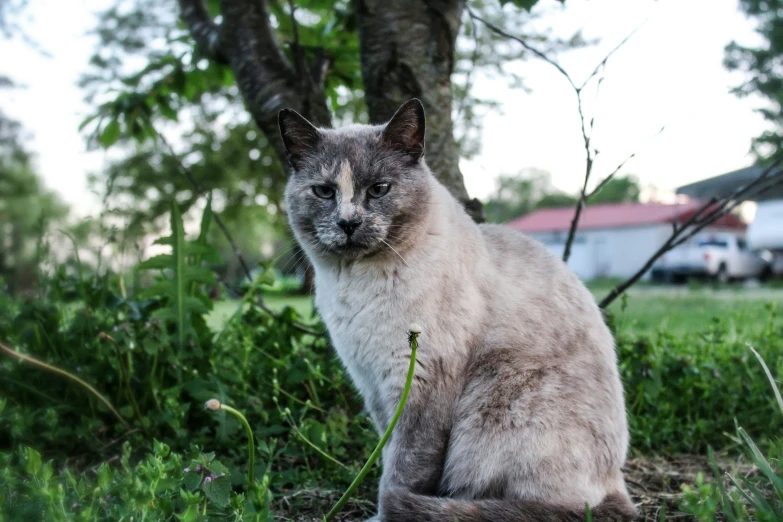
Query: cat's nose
[349, 226]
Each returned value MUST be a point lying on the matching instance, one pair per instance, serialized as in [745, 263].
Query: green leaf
[761, 462]
[159, 262]
[47, 471]
[724, 496]
[218, 490]
[192, 480]
[178, 244]
[769, 377]
[32, 461]
[104, 477]
[110, 134]
[522, 4]
[206, 220]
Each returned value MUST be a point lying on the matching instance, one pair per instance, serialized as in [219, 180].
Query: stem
[58, 371]
[214, 405]
[414, 343]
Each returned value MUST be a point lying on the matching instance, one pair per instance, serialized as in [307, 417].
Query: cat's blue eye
[323, 191]
[379, 190]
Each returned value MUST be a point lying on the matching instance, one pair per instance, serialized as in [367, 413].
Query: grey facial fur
[350, 162]
[516, 410]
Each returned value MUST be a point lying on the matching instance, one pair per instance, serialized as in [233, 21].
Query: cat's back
[531, 282]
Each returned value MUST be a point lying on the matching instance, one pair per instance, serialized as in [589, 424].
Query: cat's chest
[370, 310]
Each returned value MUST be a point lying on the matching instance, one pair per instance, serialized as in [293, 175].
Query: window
[742, 244]
[719, 243]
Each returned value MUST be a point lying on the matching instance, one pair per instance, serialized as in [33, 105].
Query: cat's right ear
[300, 137]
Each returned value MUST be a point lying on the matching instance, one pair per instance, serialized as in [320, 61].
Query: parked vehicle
[766, 232]
[723, 257]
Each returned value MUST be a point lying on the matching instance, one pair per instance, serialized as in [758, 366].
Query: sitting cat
[516, 412]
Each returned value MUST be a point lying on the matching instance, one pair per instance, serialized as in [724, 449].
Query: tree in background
[26, 210]
[329, 60]
[314, 59]
[763, 67]
[532, 189]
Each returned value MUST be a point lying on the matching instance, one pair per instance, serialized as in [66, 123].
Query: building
[613, 240]
[765, 232]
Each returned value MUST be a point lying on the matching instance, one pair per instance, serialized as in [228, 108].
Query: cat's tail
[400, 505]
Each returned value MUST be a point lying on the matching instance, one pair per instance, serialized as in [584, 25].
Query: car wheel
[723, 275]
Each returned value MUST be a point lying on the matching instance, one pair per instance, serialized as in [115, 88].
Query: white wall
[613, 252]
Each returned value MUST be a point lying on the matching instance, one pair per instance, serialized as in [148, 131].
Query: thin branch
[609, 55]
[203, 28]
[474, 56]
[229, 237]
[67, 375]
[586, 135]
[612, 174]
[705, 215]
[540, 54]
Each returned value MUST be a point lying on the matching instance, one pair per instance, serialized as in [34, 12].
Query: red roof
[614, 215]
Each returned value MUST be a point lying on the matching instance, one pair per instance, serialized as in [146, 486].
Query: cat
[516, 412]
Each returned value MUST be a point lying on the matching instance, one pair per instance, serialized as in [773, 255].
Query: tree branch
[587, 135]
[706, 214]
[612, 174]
[202, 28]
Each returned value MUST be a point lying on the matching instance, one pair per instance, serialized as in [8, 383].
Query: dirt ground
[653, 483]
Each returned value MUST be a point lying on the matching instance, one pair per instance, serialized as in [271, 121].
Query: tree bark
[408, 51]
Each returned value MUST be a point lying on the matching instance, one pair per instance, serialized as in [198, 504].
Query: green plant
[415, 330]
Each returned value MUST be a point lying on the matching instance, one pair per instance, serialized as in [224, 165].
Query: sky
[669, 73]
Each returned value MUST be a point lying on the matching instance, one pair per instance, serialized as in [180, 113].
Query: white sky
[670, 73]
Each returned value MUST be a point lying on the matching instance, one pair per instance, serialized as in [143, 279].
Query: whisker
[392, 248]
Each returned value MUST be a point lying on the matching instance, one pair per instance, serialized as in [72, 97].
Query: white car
[724, 257]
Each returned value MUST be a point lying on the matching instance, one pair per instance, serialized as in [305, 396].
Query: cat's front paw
[376, 518]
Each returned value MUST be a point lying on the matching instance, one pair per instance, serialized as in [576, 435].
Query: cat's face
[356, 191]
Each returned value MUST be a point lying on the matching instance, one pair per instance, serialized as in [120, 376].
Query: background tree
[199, 103]
[26, 210]
[324, 59]
[763, 67]
[532, 189]
[619, 189]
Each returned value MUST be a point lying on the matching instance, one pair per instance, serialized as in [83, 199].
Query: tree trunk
[408, 51]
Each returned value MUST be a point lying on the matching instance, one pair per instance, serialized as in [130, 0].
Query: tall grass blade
[728, 507]
[761, 462]
[769, 376]
[178, 245]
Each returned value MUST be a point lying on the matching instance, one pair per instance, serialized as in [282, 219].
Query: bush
[684, 393]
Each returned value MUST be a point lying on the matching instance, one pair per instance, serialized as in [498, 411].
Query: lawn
[223, 310]
[683, 355]
[681, 311]
[647, 310]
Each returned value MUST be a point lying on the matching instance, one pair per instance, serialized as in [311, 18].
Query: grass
[682, 313]
[224, 309]
[649, 309]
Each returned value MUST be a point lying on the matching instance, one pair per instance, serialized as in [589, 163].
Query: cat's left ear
[405, 131]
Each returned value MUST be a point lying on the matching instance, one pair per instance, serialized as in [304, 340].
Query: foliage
[749, 496]
[26, 209]
[128, 345]
[761, 65]
[196, 104]
[685, 390]
[157, 363]
[162, 486]
[532, 189]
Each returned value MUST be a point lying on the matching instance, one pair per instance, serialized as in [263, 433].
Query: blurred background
[146, 265]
